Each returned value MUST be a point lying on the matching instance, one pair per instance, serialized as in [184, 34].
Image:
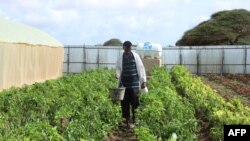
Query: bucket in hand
[117, 94]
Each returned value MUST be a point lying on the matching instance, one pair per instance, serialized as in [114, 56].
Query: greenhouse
[27, 55]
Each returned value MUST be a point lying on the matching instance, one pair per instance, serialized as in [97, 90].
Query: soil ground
[230, 86]
[122, 133]
[203, 134]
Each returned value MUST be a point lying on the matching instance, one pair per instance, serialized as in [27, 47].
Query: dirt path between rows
[124, 134]
[242, 78]
[233, 84]
[225, 92]
[204, 131]
[121, 134]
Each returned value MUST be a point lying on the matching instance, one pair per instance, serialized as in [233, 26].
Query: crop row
[207, 101]
[163, 113]
[74, 107]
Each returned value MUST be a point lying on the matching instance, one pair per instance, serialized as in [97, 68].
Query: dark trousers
[130, 98]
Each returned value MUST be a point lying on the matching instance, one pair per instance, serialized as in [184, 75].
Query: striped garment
[129, 76]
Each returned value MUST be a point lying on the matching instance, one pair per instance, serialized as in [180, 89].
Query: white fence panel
[170, 56]
[76, 67]
[210, 60]
[189, 58]
[202, 59]
[76, 55]
[108, 56]
[247, 60]
[91, 55]
[234, 60]
[91, 66]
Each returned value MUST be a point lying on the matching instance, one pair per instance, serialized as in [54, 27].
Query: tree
[113, 42]
[224, 28]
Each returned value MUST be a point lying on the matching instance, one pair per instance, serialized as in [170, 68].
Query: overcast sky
[91, 22]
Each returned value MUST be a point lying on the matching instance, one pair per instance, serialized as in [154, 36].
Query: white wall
[200, 59]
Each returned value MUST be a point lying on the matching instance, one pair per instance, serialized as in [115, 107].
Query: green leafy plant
[163, 111]
[207, 101]
[73, 107]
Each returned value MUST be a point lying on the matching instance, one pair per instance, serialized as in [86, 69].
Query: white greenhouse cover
[27, 55]
[13, 32]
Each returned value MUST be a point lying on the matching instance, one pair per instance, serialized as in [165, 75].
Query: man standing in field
[131, 74]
